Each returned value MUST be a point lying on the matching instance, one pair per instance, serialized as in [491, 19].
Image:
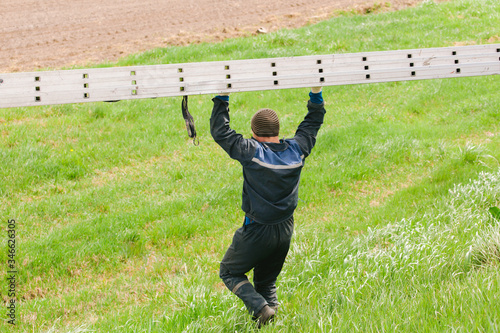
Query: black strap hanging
[189, 121]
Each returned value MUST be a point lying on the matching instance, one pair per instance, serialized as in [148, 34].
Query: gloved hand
[223, 96]
[316, 90]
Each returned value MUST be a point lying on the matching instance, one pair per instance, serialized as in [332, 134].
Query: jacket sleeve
[233, 143]
[309, 127]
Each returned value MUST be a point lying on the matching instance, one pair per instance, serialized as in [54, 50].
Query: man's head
[265, 123]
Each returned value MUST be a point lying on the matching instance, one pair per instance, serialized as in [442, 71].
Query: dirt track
[55, 33]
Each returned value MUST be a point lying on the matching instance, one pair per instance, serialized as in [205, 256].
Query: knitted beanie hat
[265, 123]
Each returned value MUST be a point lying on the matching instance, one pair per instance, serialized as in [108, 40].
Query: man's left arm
[233, 143]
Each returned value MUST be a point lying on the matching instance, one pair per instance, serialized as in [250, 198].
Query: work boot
[265, 316]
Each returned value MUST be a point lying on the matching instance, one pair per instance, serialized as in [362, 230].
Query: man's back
[271, 171]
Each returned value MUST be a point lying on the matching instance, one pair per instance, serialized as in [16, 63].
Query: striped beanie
[265, 123]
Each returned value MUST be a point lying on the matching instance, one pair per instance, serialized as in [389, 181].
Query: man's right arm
[309, 127]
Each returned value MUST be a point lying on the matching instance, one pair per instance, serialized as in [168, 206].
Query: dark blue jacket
[271, 171]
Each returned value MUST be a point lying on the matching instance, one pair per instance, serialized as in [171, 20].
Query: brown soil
[59, 33]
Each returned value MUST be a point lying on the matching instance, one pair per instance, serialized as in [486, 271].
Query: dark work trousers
[261, 247]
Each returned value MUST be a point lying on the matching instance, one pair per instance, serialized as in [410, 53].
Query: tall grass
[122, 221]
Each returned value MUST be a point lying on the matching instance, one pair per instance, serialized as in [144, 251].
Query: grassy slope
[122, 222]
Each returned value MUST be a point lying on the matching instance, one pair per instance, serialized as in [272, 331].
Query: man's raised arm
[309, 127]
[233, 143]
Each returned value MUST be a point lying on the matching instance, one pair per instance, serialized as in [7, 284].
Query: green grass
[122, 222]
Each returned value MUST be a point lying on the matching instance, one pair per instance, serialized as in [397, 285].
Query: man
[271, 173]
